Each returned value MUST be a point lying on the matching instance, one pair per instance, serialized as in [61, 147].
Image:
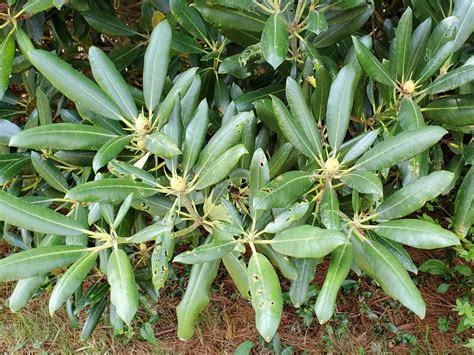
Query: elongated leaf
[107, 23]
[275, 40]
[196, 297]
[329, 209]
[156, 62]
[418, 45]
[403, 146]
[463, 205]
[67, 136]
[358, 145]
[110, 80]
[18, 212]
[71, 280]
[307, 241]
[435, 62]
[231, 19]
[299, 288]
[188, 18]
[73, 84]
[414, 195]
[393, 278]
[283, 190]
[13, 169]
[295, 212]
[38, 261]
[455, 110]
[220, 168]
[417, 233]
[7, 52]
[161, 145]
[300, 112]
[452, 80]
[259, 174]
[363, 181]
[370, 63]
[24, 290]
[44, 110]
[109, 151]
[123, 290]
[48, 171]
[110, 190]
[320, 95]
[267, 300]
[149, 233]
[195, 135]
[206, 252]
[238, 272]
[339, 267]
[341, 98]
[402, 44]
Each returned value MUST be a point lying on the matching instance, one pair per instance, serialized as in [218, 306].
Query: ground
[367, 322]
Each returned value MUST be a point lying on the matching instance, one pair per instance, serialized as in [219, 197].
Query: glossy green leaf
[329, 209]
[435, 62]
[340, 101]
[455, 110]
[317, 22]
[188, 18]
[73, 84]
[110, 80]
[275, 40]
[363, 181]
[371, 64]
[414, 195]
[402, 44]
[393, 278]
[107, 23]
[238, 272]
[416, 233]
[7, 52]
[49, 172]
[283, 220]
[259, 174]
[71, 280]
[20, 213]
[358, 145]
[403, 146]
[320, 94]
[267, 300]
[418, 46]
[299, 288]
[38, 261]
[123, 290]
[24, 291]
[161, 145]
[13, 169]
[109, 151]
[148, 233]
[283, 190]
[206, 252]
[44, 110]
[220, 168]
[196, 297]
[195, 135]
[67, 136]
[451, 80]
[225, 18]
[110, 190]
[339, 267]
[155, 65]
[307, 241]
[463, 205]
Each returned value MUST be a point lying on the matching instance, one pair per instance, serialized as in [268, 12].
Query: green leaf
[110, 190]
[283, 220]
[225, 18]
[155, 65]
[416, 233]
[44, 110]
[107, 23]
[283, 190]
[363, 181]
[220, 168]
[403, 146]
[71, 280]
[196, 297]
[48, 171]
[225, 138]
[259, 174]
[317, 22]
[110, 80]
[20, 213]
[435, 62]
[455, 110]
[188, 18]
[24, 291]
[329, 209]
[301, 113]
[73, 84]
[38, 261]
[109, 151]
[339, 267]
[414, 195]
[393, 278]
[402, 44]
[195, 135]
[371, 64]
[299, 288]
[418, 46]
[123, 290]
[7, 52]
[358, 145]
[206, 252]
[463, 205]
[451, 80]
[320, 95]
[13, 168]
[340, 101]
[267, 300]
[151, 232]
[67, 136]
[275, 40]
[161, 145]
[307, 241]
